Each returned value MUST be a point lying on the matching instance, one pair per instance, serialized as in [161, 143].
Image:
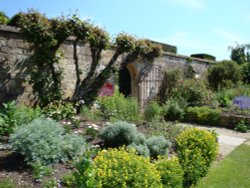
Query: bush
[121, 168]
[59, 110]
[44, 141]
[158, 146]
[13, 115]
[153, 111]
[118, 107]
[224, 74]
[196, 149]
[203, 115]
[245, 69]
[174, 109]
[241, 127]
[118, 134]
[171, 172]
[141, 149]
[194, 92]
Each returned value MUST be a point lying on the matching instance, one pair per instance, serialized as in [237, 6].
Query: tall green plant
[117, 107]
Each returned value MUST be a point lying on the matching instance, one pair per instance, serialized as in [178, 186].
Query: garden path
[228, 139]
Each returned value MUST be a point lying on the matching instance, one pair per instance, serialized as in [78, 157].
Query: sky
[193, 26]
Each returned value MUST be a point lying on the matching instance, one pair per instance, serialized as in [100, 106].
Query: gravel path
[228, 139]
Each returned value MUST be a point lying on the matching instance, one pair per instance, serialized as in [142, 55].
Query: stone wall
[15, 65]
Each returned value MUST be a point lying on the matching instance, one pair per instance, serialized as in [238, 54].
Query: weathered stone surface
[15, 66]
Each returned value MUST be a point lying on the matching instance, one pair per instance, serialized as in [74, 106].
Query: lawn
[232, 172]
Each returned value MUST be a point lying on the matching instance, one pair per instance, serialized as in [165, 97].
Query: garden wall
[16, 64]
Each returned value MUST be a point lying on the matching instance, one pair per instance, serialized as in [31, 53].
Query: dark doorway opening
[125, 82]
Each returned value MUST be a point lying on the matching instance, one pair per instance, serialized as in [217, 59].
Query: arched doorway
[125, 82]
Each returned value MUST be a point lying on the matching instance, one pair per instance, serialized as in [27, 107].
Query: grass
[232, 172]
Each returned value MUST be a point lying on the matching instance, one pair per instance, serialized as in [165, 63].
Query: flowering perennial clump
[242, 102]
[122, 168]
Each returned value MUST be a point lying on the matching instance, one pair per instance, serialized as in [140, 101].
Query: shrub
[139, 139]
[158, 146]
[193, 91]
[140, 149]
[118, 134]
[174, 109]
[43, 141]
[245, 70]
[59, 110]
[241, 127]
[153, 111]
[171, 172]
[224, 74]
[196, 149]
[121, 168]
[203, 115]
[13, 115]
[223, 99]
[118, 107]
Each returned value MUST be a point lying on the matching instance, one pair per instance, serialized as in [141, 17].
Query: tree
[47, 35]
[224, 74]
[3, 18]
[240, 53]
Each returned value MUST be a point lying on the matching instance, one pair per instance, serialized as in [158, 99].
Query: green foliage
[98, 38]
[170, 81]
[203, 115]
[225, 97]
[12, 115]
[241, 127]
[125, 42]
[174, 109]
[121, 168]
[118, 134]
[44, 141]
[240, 53]
[83, 175]
[50, 183]
[89, 114]
[118, 107]
[196, 149]
[171, 172]
[39, 170]
[224, 74]
[153, 111]
[6, 183]
[169, 130]
[3, 18]
[46, 36]
[141, 149]
[68, 180]
[59, 110]
[158, 146]
[189, 72]
[193, 91]
[245, 70]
